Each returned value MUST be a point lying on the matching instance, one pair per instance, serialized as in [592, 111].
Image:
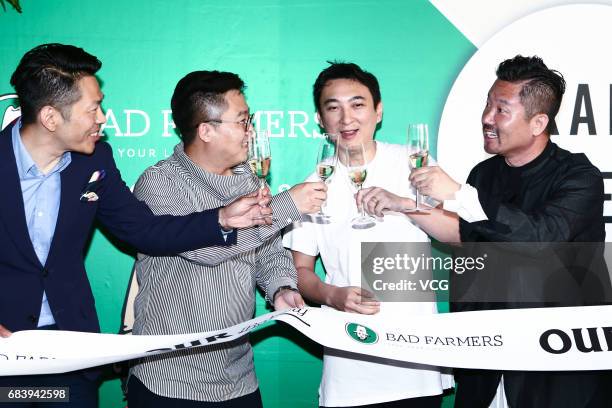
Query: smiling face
[506, 129]
[229, 139]
[80, 130]
[346, 108]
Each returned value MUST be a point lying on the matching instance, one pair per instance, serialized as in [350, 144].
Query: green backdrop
[278, 48]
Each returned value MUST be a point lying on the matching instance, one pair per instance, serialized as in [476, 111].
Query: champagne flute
[418, 149]
[327, 159]
[259, 156]
[357, 171]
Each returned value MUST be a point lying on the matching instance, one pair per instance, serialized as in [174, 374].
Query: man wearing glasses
[58, 178]
[210, 289]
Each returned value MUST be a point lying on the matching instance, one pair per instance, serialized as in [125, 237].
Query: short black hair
[345, 70]
[47, 75]
[198, 97]
[542, 90]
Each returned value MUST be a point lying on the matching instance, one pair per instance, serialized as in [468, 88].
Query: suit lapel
[12, 213]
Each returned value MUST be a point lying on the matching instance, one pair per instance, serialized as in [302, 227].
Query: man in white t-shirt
[349, 105]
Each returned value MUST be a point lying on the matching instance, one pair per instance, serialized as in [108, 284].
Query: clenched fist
[375, 200]
[308, 197]
[247, 211]
[432, 181]
[287, 299]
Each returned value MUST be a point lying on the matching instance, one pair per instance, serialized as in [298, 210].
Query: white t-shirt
[351, 379]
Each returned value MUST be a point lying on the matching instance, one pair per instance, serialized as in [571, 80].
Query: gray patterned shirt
[209, 288]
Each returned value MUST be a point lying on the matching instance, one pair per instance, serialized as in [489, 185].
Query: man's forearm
[439, 224]
[312, 288]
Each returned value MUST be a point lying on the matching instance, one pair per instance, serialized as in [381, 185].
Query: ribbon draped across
[548, 339]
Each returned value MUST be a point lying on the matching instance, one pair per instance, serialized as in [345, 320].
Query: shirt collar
[25, 163]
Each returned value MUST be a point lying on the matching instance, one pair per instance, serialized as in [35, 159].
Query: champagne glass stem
[363, 214]
[321, 213]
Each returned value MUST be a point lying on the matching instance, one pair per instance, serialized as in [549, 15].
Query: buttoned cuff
[284, 209]
[226, 233]
[284, 212]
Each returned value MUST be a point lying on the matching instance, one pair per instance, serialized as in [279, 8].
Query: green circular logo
[362, 334]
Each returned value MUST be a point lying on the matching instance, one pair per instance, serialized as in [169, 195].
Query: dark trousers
[139, 396]
[83, 390]
[422, 402]
[534, 389]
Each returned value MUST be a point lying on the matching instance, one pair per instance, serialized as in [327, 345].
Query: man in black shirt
[530, 191]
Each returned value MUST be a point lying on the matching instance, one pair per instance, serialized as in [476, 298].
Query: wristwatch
[281, 288]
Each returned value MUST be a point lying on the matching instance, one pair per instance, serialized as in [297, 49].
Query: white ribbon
[549, 339]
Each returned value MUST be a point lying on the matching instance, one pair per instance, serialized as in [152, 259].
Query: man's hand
[354, 300]
[287, 299]
[265, 196]
[375, 200]
[308, 197]
[432, 181]
[247, 211]
[4, 332]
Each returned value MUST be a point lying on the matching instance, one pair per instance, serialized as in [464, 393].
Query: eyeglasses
[244, 122]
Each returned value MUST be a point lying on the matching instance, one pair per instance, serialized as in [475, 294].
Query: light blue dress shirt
[41, 201]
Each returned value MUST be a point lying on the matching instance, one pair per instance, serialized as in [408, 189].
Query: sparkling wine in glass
[357, 167]
[327, 160]
[418, 149]
[259, 156]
